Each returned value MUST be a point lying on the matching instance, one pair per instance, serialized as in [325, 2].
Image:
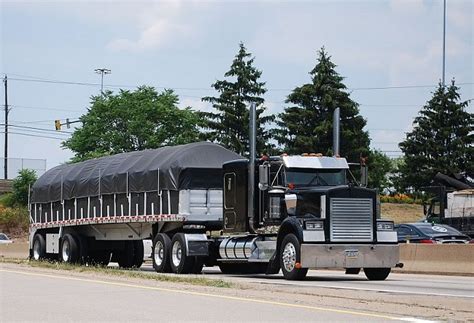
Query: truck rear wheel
[69, 251]
[161, 253]
[180, 263]
[39, 247]
[290, 257]
[377, 273]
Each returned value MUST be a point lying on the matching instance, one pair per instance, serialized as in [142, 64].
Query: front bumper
[349, 256]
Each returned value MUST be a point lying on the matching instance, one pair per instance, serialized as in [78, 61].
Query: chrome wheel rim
[36, 250]
[159, 253]
[289, 257]
[176, 253]
[66, 250]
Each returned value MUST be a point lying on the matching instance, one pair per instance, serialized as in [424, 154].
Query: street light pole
[102, 72]
[444, 42]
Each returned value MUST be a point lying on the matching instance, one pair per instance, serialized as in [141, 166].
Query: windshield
[315, 177]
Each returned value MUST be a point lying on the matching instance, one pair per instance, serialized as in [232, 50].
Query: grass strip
[117, 272]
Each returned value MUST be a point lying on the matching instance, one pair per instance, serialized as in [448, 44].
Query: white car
[4, 239]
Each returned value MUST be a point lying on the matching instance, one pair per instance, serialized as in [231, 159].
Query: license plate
[351, 253]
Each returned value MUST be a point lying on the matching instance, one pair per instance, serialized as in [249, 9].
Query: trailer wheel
[377, 273]
[125, 257]
[290, 257]
[69, 251]
[161, 253]
[138, 253]
[39, 247]
[180, 263]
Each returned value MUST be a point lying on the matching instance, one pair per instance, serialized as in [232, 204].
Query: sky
[389, 52]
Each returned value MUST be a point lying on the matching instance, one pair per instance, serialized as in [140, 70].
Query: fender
[289, 225]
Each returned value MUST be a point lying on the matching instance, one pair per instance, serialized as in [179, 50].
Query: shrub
[400, 199]
[7, 200]
[14, 221]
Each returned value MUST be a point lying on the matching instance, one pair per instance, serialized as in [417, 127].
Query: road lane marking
[235, 298]
[366, 289]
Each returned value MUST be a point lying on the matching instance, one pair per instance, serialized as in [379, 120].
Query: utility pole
[444, 42]
[5, 166]
[102, 72]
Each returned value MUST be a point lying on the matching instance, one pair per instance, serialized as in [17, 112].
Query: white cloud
[195, 104]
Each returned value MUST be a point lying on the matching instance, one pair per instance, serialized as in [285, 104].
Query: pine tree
[229, 125]
[306, 126]
[442, 139]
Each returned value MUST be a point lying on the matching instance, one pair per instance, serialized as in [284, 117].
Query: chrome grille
[351, 219]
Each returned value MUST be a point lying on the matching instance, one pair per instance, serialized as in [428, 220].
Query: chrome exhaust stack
[336, 132]
[251, 175]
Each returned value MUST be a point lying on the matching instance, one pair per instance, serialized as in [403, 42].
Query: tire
[69, 251]
[99, 258]
[39, 248]
[161, 253]
[377, 273]
[180, 263]
[198, 264]
[125, 257]
[138, 253]
[290, 256]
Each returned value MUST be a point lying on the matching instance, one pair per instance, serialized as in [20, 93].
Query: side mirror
[263, 177]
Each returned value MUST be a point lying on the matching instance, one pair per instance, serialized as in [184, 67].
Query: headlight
[384, 226]
[314, 225]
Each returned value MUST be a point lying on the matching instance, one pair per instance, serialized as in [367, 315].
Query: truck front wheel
[377, 273]
[290, 257]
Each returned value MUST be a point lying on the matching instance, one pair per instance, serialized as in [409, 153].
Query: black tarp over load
[191, 166]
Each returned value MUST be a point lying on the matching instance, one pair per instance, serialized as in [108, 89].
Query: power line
[43, 108]
[40, 129]
[44, 80]
[33, 135]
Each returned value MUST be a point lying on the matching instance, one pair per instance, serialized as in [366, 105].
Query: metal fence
[17, 164]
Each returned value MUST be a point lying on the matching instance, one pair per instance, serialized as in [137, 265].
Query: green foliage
[133, 120]
[21, 184]
[14, 221]
[306, 126]
[229, 126]
[442, 140]
[7, 200]
[379, 167]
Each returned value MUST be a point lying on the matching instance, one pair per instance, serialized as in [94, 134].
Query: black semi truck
[202, 204]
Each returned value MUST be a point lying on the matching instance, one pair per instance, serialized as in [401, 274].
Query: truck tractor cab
[307, 215]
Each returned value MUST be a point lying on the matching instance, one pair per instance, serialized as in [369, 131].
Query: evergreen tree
[306, 126]
[442, 139]
[229, 125]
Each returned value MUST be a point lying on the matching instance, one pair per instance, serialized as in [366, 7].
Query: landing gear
[290, 258]
[131, 256]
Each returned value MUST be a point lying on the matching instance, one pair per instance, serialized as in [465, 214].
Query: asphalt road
[408, 284]
[33, 295]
